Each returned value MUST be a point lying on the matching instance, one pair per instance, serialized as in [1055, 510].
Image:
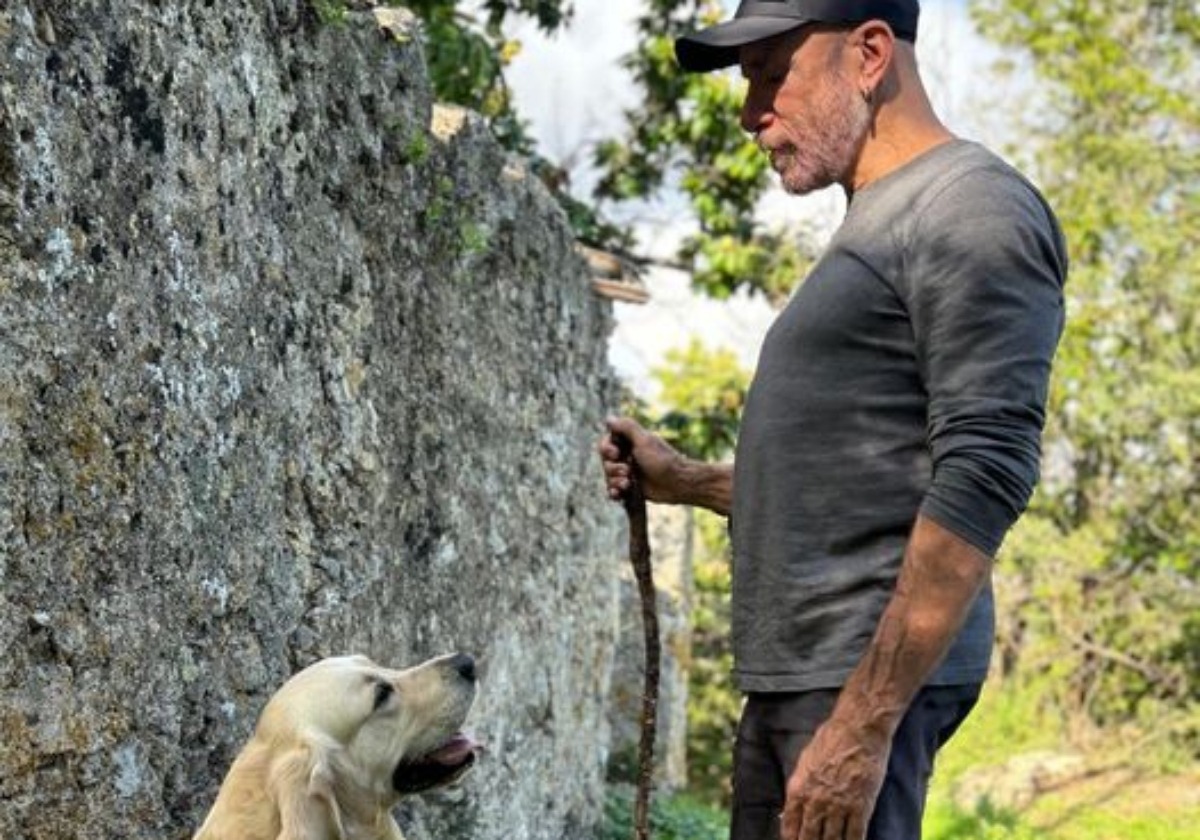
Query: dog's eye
[382, 692]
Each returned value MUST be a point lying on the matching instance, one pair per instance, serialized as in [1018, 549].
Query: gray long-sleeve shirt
[907, 374]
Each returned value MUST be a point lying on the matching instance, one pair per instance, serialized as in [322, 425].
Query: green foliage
[1056, 818]
[1132, 801]
[1010, 718]
[770, 263]
[330, 12]
[466, 53]
[416, 148]
[705, 390]
[1109, 556]
[438, 207]
[586, 219]
[474, 238]
[682, 136]
[671, 818]
[714, 702]
[946, 822]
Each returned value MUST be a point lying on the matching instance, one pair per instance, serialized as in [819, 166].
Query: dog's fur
[339, 744]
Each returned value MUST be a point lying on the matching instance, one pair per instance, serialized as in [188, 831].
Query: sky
[572, 90]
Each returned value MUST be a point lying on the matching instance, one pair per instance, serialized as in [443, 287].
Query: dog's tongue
[454, 751]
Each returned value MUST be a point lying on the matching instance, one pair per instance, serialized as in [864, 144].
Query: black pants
[775, 727]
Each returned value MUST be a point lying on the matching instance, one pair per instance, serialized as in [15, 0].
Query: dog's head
[340, 743]
[367, 734]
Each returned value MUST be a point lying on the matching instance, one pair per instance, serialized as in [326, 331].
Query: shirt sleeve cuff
[961, 505]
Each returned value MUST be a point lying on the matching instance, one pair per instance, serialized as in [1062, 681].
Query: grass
[1073, 815]
[943, 821]
[679, 817]
[1127, 801]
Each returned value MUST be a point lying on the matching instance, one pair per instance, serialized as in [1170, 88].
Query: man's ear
[874, 45]
[302, 787]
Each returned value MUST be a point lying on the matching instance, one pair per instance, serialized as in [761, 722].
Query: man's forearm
[939, 580]
[706, 485]
[839, 774]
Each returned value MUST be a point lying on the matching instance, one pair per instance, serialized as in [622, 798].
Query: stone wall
[289, 367]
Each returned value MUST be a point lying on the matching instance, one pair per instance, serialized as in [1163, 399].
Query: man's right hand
[659, 466]
[667, 476]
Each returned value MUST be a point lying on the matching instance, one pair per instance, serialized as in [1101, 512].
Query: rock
[1014, 784]
[283, 374]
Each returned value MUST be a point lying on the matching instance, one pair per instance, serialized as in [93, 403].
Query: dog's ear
[321, 787]
[301, 784]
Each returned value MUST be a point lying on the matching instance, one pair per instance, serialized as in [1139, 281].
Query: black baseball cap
[754, 20]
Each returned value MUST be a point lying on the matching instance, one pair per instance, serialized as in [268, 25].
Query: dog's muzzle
[447, 763]
[441, 767]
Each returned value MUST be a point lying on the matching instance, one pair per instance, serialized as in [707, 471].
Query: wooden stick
[634, 501]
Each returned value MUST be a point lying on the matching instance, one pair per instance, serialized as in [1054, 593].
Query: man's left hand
[831, 794]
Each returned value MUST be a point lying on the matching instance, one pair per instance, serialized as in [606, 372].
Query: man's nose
[754, 117]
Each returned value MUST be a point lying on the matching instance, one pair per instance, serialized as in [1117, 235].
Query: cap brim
[717, 46]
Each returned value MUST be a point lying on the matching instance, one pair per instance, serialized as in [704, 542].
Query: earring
[867, 94]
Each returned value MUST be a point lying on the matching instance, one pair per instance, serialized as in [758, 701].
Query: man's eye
[382, 692]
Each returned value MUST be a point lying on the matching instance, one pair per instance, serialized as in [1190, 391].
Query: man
[892, 432]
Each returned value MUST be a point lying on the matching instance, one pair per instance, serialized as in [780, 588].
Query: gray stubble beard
[834, 144]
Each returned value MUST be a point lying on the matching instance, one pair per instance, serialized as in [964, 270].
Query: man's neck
[902, 130]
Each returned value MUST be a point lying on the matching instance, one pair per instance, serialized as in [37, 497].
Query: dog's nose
[465, 666]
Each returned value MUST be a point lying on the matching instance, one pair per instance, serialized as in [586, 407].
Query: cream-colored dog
[339, 744]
